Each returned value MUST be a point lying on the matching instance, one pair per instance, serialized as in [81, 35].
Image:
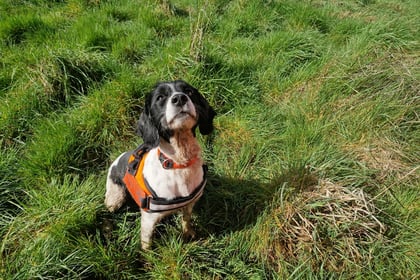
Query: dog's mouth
[182, 115]
[185, 111]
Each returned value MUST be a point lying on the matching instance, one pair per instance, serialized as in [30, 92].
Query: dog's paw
[145, 245]
[189, 234]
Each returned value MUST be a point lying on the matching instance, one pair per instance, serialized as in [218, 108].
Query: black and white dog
[171, 175]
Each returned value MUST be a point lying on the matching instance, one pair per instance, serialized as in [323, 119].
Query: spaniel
[166, 173]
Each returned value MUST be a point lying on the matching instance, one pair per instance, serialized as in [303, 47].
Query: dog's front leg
[187, 228]
[148, 224]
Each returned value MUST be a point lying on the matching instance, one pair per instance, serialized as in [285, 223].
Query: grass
[314, 164]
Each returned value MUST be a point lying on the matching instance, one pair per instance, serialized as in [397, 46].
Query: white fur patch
[115, 195]
[179, 117]
[171, 183]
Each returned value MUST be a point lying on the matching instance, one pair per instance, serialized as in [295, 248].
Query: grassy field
[314, 165]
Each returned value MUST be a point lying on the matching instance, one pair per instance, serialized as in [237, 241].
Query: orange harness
[143, 194]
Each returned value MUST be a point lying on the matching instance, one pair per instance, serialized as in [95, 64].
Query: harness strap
[143, 194]
[158, 204]
[134, 180]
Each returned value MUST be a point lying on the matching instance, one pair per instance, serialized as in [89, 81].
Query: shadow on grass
[234, 204]
[230, 204]
[227, 205]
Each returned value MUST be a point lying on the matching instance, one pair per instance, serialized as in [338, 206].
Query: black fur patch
[118, 171]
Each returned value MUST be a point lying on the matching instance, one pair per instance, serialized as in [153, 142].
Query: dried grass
[384, 156]
[197, 36]
[328, 225]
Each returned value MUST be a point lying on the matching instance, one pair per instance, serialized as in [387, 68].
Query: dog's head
[173, 106]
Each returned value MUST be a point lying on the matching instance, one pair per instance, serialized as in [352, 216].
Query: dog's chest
[171, 183]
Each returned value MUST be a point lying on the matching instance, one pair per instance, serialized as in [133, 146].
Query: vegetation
[314, 165]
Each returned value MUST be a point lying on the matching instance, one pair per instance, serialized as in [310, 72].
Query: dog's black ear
[145, 125]
[206, 115]
[147, 130]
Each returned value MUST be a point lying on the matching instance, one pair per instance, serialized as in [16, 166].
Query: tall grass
[314, 164]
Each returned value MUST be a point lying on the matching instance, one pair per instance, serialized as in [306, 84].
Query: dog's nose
[179, 99]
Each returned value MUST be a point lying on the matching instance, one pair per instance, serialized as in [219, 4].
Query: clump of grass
[6, 82]
[54, 81]
[37, 241]
[70, 74]
[329, 226]
[11, 190]
[252, 19]
[303, 16]
[219, 259]
[15, 109]
[79, 138]
[17, 30]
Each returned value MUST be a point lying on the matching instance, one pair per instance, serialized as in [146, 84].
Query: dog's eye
[159, 97]
[188, 92]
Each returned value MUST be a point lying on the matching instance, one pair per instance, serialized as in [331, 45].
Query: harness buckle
[145, 202]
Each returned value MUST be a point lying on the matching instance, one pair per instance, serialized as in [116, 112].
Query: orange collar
[168, 163]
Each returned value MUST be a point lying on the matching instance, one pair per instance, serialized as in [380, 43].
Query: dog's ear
[147, 130]
[145, 126]
[206, 115]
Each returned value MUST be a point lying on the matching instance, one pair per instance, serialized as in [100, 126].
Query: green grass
[314, 164]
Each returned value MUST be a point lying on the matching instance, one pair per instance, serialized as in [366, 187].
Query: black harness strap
[158, 204]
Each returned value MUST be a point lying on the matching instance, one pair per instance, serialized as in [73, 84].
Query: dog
[172, 175]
